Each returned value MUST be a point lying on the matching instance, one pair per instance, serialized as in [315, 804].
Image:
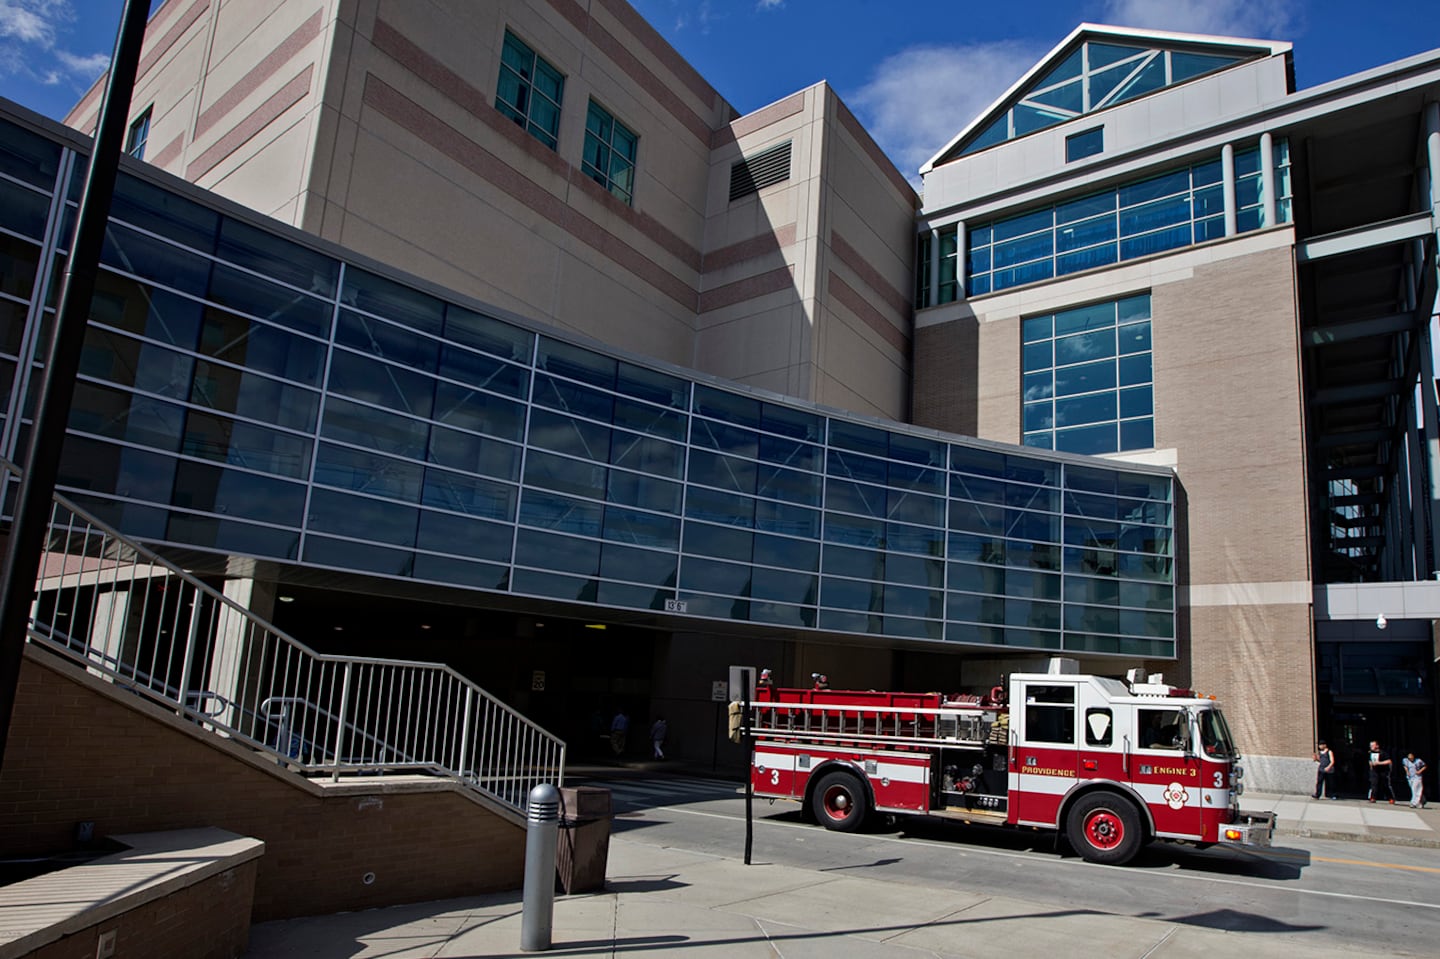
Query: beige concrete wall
[867, 266]
[1228, 416]
[756, 320]
[804, 289]
[372, 124]
[234, 91]
[424, 173]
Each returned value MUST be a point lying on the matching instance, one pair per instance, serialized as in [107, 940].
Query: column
[107, 627]
[238, 649]
[1432, 151]
[1430, 417]
[1417, 490]
[1430, 411]
[933, 294]
[1227, 178]
[1267, 180]
[962, 261]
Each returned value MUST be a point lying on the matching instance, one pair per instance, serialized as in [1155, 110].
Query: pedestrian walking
[1324, 771]
[619, 728]
[658, 729]
[1414, 774]
[1380, 769]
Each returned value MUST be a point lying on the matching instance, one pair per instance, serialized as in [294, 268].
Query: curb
[1420, 842]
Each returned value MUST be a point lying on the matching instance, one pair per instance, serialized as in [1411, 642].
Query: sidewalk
[1354, 820]
[662, 901]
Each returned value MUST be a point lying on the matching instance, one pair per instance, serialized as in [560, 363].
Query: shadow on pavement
[1230, 920]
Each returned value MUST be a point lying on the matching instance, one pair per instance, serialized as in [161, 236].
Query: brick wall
[209, 920]
[1228, 403]
[80, 750]
[946, 378]
[1228, 399]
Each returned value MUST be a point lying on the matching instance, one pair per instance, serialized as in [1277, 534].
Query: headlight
[1237, 772]
[1239, 789]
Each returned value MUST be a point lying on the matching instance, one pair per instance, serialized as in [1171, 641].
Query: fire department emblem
[1175, 796]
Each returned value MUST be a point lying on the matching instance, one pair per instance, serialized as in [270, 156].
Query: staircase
[129, 616]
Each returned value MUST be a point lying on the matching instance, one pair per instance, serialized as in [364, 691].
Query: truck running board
[972, 815]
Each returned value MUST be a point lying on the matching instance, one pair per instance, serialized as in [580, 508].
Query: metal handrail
[127, 614]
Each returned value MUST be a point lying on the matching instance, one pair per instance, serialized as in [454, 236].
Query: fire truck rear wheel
[1105, 828]
[839, 802]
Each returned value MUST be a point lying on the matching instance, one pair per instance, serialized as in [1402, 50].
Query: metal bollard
[542, 829]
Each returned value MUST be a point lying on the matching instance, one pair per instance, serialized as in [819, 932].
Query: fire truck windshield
[1215, 734]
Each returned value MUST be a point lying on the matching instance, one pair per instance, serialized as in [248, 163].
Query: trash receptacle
[584, 840]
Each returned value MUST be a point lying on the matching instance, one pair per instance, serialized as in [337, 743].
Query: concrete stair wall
[83, 749]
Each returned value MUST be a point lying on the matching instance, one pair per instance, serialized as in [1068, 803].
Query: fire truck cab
[1112, 764]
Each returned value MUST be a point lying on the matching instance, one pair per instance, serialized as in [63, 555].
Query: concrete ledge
[48, 908]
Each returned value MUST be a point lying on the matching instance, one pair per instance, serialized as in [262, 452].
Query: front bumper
[1248, 829]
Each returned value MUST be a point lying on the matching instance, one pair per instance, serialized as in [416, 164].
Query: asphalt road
[1377, 899]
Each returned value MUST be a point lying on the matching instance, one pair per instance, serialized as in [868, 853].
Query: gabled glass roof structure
[1094, 68]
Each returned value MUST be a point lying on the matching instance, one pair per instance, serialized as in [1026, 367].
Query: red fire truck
[1111, 764]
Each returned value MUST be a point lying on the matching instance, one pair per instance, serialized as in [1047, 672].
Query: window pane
[1086, 144]
[1136, 402]
[1095, 408]
[1095, 345]
[1095, 256]
[1085, 233]
[1151, 77]
[1069, 96]
[1086, 378]
[1090, 440]
[1168, 184]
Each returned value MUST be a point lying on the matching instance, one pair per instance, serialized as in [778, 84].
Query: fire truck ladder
[885, 725]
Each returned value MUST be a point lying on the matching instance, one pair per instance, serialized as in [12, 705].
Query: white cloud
[1270, 20]
[769, 4]
[697, 15]
[918, 99]
[30, 35]
[83, 68]
[29, 21]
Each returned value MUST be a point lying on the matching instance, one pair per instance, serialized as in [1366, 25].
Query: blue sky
[914, 72]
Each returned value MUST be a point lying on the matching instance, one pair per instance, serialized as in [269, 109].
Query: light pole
[62, 361]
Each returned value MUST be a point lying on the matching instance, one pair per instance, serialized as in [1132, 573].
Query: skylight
[1096, 75]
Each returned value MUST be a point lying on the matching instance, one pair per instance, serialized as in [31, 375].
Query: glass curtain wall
[242, 392]
[1159, 213]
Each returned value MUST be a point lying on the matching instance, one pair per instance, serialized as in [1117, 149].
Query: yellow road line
[1353, 862]
[1377, 865]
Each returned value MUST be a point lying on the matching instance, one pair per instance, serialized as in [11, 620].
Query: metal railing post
[340, 720]
[465, 731]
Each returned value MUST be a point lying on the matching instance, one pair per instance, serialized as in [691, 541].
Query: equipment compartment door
[774, 772]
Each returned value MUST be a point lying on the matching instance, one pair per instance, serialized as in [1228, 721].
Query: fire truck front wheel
[1105, 828]
[839, 802]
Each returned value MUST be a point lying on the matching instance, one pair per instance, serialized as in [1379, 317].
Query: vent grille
[752, 174]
